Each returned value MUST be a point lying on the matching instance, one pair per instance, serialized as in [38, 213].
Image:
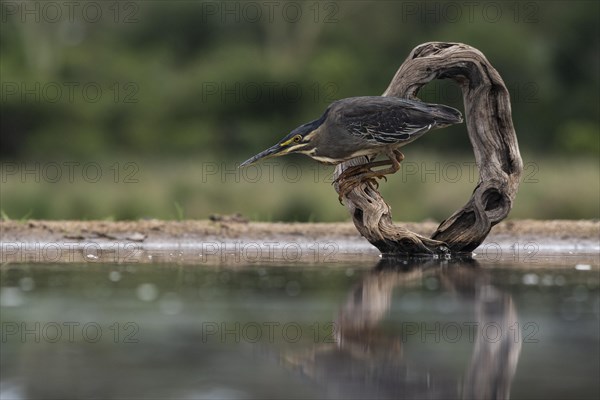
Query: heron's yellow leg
[354, 176]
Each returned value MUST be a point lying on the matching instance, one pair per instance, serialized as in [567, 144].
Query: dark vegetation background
[164, 98]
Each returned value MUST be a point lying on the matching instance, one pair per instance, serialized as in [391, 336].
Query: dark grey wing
[387, 125]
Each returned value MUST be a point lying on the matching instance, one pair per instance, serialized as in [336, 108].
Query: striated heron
[363, 126]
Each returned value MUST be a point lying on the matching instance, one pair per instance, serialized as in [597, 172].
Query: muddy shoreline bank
[235, 228]
[232, 240]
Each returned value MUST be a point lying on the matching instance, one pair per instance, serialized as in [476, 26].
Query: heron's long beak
[270, 152]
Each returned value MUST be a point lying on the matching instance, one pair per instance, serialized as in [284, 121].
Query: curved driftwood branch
[492, 135]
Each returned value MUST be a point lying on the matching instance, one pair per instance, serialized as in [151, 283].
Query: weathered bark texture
[489, 124]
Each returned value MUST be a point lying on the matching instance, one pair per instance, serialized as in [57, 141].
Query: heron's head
[300, 140]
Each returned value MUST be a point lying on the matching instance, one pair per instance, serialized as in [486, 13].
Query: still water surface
[388, 329]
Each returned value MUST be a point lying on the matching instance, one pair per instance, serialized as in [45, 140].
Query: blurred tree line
[226, 79]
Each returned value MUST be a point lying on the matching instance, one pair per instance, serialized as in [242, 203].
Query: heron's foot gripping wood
[355, 176]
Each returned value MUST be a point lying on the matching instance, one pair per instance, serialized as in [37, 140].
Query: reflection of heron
[368, 360]
[363, 126]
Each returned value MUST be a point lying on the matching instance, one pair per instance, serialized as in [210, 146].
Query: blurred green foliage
[160, 80]
[429, 186]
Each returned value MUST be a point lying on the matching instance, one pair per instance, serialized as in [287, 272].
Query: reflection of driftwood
[497, 350]
[490, 128]
[368, 361]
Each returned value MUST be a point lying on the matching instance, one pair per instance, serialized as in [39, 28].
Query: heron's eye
[297, 139]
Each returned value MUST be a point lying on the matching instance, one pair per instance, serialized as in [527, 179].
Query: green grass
[291, 189]
[179, 211]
